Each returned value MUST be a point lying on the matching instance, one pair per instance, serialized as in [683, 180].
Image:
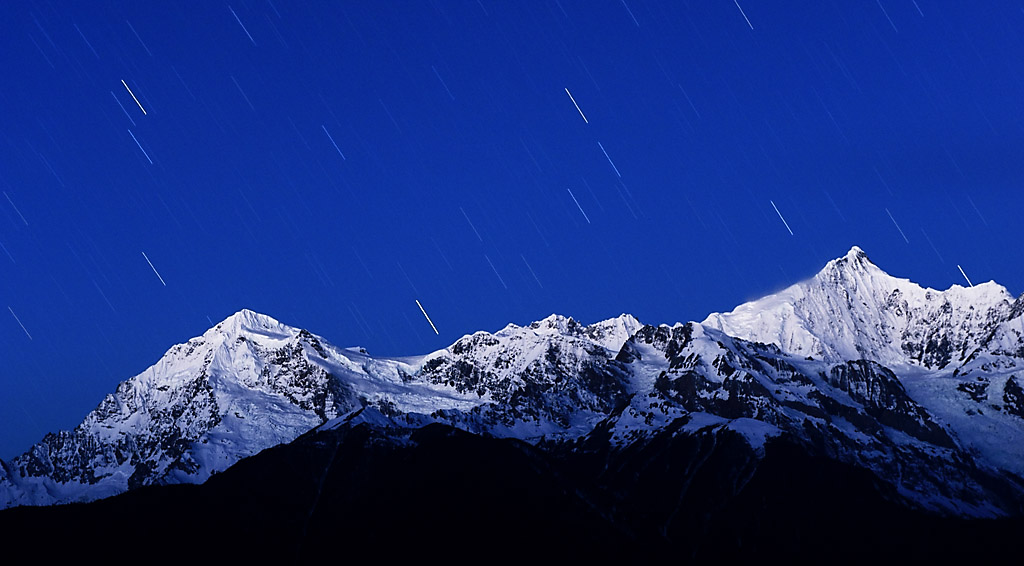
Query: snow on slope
[923, 387]
[251, 382]
[549, 379]
[954, 351]
[689, 379]
[852, 310]
[242, 386]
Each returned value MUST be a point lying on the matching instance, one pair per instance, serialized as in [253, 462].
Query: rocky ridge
[916, 386]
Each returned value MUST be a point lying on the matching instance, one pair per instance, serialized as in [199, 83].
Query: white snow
[251, 382]
[852, 309]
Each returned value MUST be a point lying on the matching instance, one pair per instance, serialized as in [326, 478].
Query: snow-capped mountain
[549, 379]
[852, 309]
[914, 386]
[245, 384]
[250, 383]
[698, 380]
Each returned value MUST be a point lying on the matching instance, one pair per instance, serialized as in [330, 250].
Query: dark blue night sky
[331, 163]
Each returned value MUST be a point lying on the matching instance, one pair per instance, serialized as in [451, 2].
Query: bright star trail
[426, 316]
[140, 147]
[965, 275]
[610, 162]
[862, 123]
[133, 97]
[154, 269]
[894, 223]
[788, 229]
[744, 14]
[576, 105]
[578, 205]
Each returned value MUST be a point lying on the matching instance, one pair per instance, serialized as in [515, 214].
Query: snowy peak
[555, 324]
[613, 333]
[251, 382]
[515, 347]
[855, 261]
[879, 371]
[550, 377]
[610, 333]
[247, 322]
[852, 310]
[856, 258]
[246, 384]
[856, 274]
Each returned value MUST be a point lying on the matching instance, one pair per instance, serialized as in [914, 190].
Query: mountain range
[856, 395]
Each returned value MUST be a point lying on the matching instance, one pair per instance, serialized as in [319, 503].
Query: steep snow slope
[694, 380]
[242, 386]
[251, 382]
[852, 310]
[548, 379]
[923, 388]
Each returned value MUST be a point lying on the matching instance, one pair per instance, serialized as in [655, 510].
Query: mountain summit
[853, 310]
[251, 382]
[910, 386]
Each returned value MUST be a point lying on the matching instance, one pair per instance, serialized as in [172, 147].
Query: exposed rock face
[852, 310]
[912, 386]
[251, 382]
[883, 397]
[245, 385]
[1013, 396]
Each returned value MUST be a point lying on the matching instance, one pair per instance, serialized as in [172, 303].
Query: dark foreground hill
[442, 494]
